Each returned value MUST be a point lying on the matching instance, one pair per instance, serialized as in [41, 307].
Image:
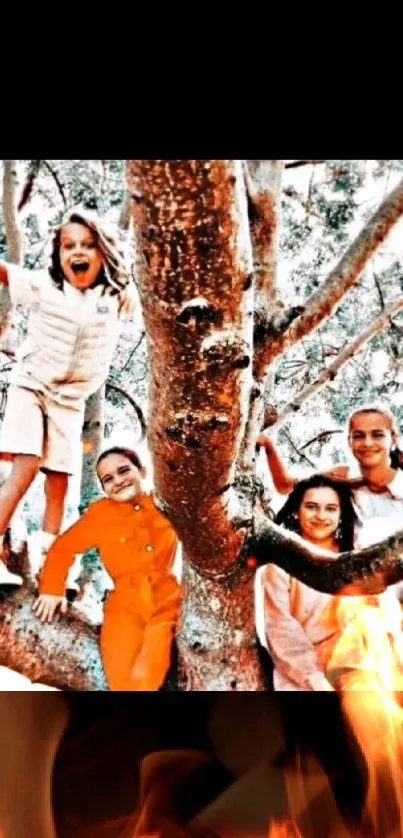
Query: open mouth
[79, 267]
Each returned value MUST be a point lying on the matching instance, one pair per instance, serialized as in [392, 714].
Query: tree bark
[13, 235]
[263, 180]
[62, 654]
[124, 218]
[196, 293]
[196, 296]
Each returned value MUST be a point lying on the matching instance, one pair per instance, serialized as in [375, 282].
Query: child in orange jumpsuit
[137, 546]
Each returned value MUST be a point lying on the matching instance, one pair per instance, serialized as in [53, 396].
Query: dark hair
[396, 455]
[113, 274]
[125, 452]
[287, 514]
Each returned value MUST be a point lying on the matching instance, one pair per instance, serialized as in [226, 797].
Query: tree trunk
[13, 234]
[93, 434]
[196, 291]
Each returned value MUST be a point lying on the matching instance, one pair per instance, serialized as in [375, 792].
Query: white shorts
[35, 424]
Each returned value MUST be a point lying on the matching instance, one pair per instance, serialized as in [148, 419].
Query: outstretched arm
[282, 479]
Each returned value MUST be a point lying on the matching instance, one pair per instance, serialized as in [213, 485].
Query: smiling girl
[303, 626]
[378, 491]
[72, 333]
[137, 546]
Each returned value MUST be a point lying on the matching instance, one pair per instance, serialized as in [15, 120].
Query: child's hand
[46, 606]
[128, 299]
[264, 441]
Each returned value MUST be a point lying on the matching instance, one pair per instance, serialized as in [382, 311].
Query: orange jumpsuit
[137, 547]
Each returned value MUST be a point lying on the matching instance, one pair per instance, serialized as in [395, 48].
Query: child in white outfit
[72, 333]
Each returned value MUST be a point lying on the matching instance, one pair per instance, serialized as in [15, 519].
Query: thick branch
[287, 329]
[368, 571]
[136, 407]
[62, 654]
[263, 181]
[10, 213]
[196, 294]
[124, 217]
[329, 374]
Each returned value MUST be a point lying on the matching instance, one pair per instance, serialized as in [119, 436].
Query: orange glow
[87, 446]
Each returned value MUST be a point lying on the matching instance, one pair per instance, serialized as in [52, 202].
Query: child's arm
[81, 536]
[24, 283]
[282, 479]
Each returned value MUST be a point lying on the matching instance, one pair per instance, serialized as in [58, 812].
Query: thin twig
[133, 351]
[319, 437]
[297, 450]
[295, 164]
[137, 409]
[57, 181]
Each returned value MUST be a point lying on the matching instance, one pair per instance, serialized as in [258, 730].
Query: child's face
[371, 439]
[80, 258]
[319, 514]
[120, 478]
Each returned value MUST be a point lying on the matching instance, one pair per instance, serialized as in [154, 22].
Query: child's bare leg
[56, 485]
[24, 470]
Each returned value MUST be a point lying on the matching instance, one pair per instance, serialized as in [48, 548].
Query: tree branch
[299, 450]
[55, 177]
[296, 164]
[287, 329]
[319, 437]
[28, 186]
[137, 409]
[124, 217]
[329, 374]
[369, 571]
[63, 654]
[379, 290]
[293, 193]
[263, 180]
[133, 351]
[11, 222]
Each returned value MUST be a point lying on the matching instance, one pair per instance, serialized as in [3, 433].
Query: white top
[71, 336]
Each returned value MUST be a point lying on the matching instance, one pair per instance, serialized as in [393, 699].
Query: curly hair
[287, 516]
[113, 274]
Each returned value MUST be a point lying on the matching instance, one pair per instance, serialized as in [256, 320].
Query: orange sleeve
[81, 536]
